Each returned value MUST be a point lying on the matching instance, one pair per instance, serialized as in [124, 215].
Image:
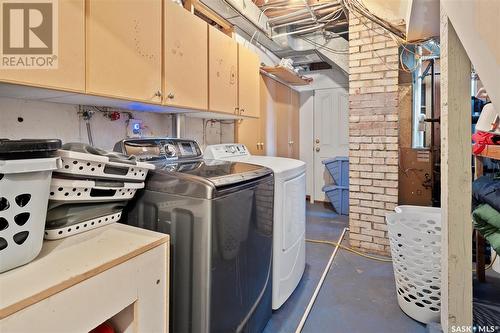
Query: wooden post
[456, 176]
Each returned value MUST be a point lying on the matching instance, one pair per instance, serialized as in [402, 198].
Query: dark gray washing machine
[219, 216]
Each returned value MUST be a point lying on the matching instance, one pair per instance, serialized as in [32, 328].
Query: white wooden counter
[75, 284]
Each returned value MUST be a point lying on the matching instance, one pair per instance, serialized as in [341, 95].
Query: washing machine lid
[280, 165]
[283, 168]
[204, 178]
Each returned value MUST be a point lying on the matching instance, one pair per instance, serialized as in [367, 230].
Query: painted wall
[325, 79]
[35, 119]
[307, 137]
[215, 131]
[266, 56]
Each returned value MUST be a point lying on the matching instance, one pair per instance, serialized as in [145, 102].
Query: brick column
[373, 134]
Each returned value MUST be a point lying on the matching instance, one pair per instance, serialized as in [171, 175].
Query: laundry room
[264, 166]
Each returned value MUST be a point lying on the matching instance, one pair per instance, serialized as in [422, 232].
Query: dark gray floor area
[358, 294]
[486, 304]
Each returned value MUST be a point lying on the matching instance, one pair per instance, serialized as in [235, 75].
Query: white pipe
[300, 12]
[315, 19]
[316, 27]
[320, 284]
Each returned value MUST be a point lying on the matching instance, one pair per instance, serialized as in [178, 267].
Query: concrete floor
[358, 294]
[486, 301]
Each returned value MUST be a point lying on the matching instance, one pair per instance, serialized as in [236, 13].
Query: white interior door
[331, 133]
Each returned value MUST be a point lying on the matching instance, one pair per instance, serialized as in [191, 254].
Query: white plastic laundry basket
[415, 239]
[24, 193]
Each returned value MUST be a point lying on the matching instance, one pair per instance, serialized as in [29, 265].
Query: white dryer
[289, 214]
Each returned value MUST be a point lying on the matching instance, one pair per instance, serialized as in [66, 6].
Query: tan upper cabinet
[124, 49]
[186, 58]
[222, 72]
[248, 82]
[70, 73]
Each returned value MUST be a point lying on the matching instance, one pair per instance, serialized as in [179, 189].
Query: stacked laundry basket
[26, 168]
[338, 192]
[91, 189]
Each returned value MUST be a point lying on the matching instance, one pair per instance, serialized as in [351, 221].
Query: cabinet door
[248, 133]
[124, 49]
[294, 124]
[248, 82]
[283, 130]
[268, 118]
[222, 75]
[70, 74]
[186, 58]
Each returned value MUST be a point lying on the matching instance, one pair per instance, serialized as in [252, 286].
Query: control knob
[170, 150]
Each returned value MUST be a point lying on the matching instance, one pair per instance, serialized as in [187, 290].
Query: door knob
[317, 149]
[317, 140]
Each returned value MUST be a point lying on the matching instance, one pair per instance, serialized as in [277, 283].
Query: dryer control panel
[223, 151]
[160, 148]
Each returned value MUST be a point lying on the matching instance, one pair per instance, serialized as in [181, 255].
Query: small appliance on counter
[26, 168]
[90, 189]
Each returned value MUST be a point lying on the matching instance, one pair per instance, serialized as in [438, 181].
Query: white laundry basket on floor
[415, 239]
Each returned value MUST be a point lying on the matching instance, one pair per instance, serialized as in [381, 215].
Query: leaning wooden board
[68, 262]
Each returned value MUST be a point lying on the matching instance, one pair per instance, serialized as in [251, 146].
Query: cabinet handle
[317, 140]
[242, 110]
[236, 110]
[171, 96]
[158, 93]
[290, 143]
[317, 149]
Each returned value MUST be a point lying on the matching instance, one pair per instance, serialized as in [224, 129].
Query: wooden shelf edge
[286, 75]
[491, 151]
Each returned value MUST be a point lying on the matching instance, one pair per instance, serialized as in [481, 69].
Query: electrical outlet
[134, 128]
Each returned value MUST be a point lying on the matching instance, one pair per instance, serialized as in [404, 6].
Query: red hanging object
[482, 139]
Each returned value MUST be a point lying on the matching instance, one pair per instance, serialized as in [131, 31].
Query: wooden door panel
[186, 58]
[222, 75]
[124, 49]
[282, 104]
[248, 82]
[268, 119]
[248, 133]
